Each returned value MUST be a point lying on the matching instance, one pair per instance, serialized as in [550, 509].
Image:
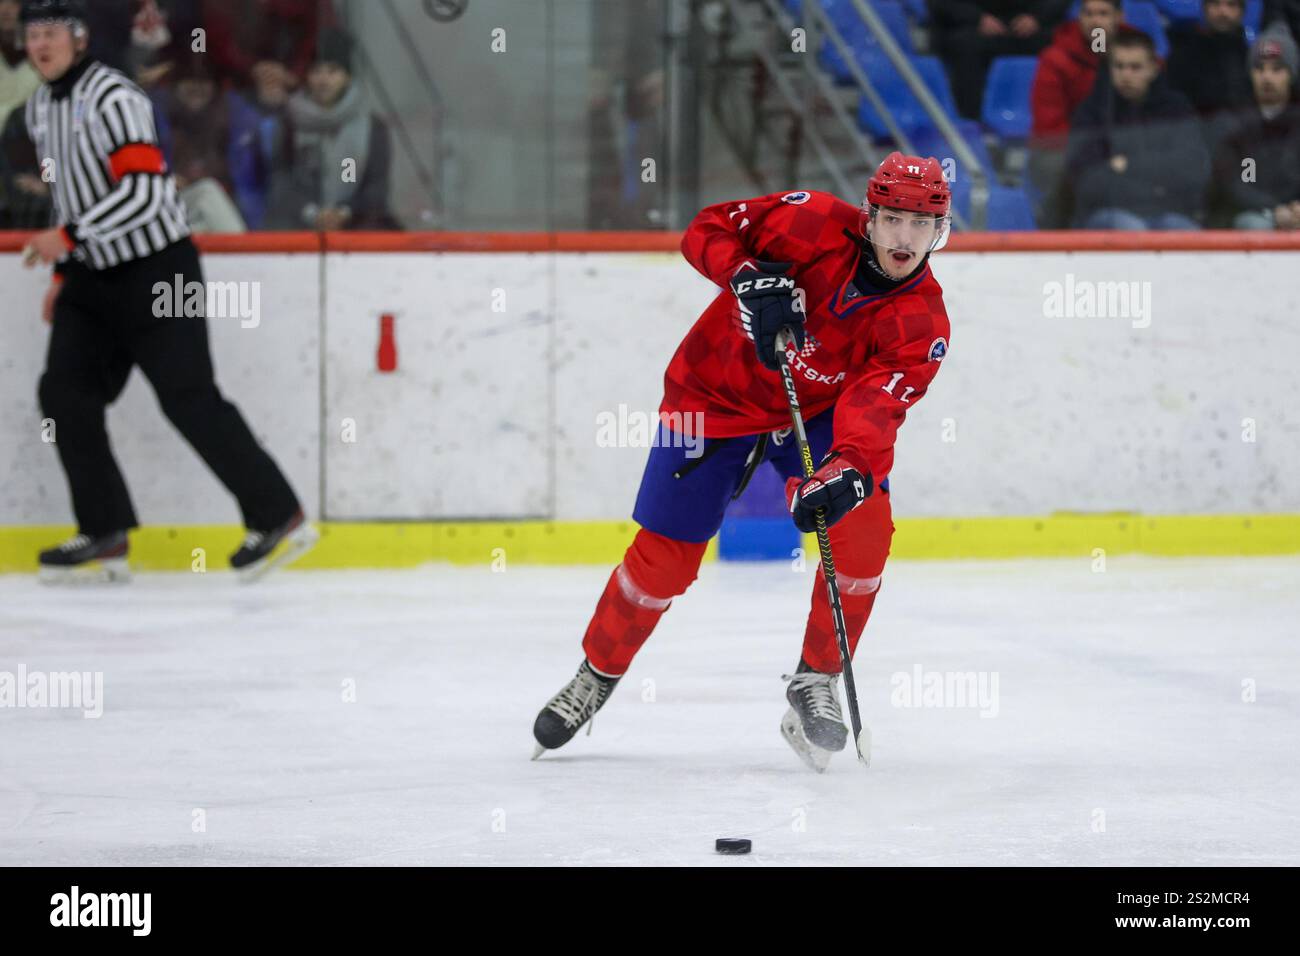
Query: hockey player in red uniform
[854, 287]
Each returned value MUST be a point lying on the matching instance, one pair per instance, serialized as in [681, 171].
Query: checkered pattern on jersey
[857, 342]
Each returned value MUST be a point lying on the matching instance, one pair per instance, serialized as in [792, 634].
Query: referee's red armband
[137, 158]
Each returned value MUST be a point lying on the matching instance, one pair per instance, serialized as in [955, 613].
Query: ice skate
[572, 707]
[264, 550]
[86, 560]
[814, 726]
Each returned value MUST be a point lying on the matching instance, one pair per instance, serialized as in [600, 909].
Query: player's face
[1097, 15]
[51, 47]
[1222, 16]
[901, 239]
[1272, 82]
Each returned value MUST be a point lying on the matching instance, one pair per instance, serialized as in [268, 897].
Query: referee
[122, 229]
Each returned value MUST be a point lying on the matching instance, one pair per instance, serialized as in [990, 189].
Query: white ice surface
[1120, 704]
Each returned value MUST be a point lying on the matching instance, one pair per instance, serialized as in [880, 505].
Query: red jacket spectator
[1066, 71]
[245, 33]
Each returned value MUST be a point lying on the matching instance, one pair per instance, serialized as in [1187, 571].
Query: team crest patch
[795, 199]
[938, 349]
[810, 345]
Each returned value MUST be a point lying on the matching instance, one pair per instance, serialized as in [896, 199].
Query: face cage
[870, 210]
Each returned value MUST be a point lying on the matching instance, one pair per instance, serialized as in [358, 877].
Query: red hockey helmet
[911, 183]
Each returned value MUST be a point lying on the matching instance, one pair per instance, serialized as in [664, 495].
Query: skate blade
[295, 544]
[813, 756]
[538, 750]
[107, 571]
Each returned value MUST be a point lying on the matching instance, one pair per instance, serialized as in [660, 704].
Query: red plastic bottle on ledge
[387, 359]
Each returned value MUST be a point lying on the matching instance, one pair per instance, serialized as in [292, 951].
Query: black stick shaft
[823, 542]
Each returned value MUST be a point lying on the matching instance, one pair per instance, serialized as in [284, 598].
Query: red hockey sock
[655, 570]
[860, 544]
[857, 595]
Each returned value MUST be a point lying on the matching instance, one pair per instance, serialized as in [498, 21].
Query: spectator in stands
[109, 23]
[253, 42]
[258, 131]
[336, 173]
[968, 34]
[24, 196]
[1257, 163]
[1064, 78]
[1286, 12]
[18, 79]
[162, 35]
[1207, 59]
[1136, 159]
[625, 117]
[196, 118]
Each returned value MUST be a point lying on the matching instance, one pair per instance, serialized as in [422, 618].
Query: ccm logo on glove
[768, 302]
[837, 488]
[767, 282]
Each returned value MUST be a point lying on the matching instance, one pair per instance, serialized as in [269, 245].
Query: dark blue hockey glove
[768, 303]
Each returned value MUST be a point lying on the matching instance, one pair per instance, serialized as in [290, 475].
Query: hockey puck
[731, 845]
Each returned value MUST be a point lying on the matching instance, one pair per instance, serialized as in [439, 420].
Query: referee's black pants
[104, 324]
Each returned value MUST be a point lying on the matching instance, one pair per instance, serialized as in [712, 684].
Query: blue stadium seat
[928, 141]
[1145, 17]
[1254, 14]
[1180, 9]
[1010, 210]
[861, 40]
[1006, 96]
[896, 94]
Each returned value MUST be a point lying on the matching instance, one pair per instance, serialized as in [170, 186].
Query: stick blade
[864, 747]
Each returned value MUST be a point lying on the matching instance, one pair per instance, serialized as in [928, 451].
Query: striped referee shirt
[94, 132]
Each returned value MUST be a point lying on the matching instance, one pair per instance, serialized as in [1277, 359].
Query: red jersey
[870, 354]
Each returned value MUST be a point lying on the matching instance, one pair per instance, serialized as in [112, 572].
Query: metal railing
[947, 129]
[818, 24]
[787, 91]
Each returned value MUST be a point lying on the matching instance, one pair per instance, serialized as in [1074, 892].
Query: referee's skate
[263, 550]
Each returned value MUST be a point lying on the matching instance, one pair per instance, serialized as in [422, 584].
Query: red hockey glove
[837, 488]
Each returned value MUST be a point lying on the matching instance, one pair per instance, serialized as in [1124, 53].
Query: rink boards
[1136, 400]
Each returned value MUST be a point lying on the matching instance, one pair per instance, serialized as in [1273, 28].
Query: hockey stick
[861, 738]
